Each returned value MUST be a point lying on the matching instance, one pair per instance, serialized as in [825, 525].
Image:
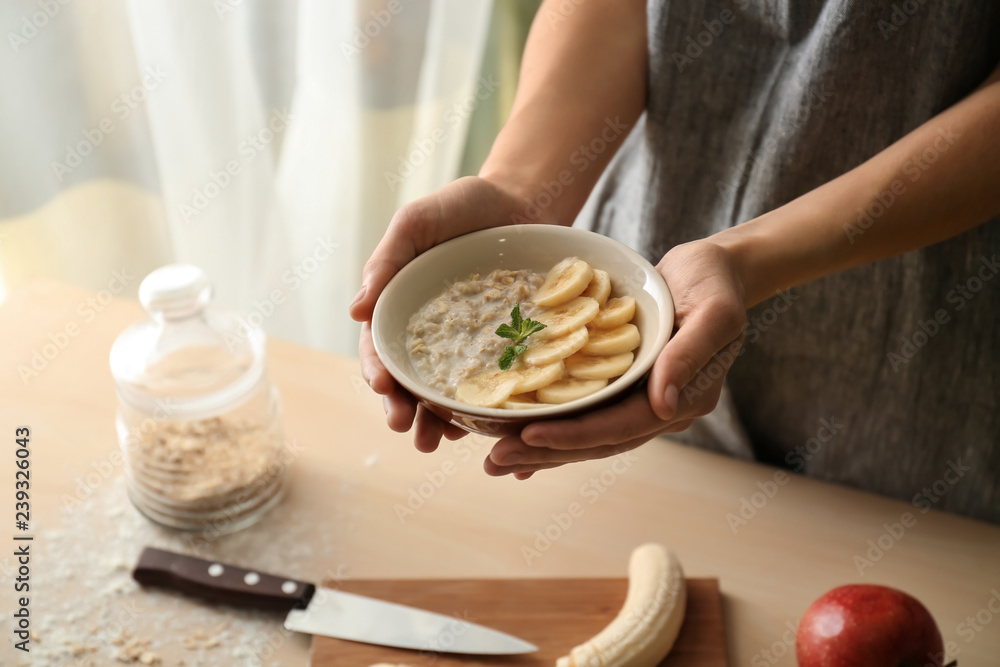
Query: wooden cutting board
[553, 614]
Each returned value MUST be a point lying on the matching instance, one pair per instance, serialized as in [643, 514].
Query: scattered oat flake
[119, 623]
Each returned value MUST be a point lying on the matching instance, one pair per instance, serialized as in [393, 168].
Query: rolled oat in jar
[198, 422]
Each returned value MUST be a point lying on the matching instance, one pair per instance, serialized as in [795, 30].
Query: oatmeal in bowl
[574, 338]
[502, 327]
[453, 335]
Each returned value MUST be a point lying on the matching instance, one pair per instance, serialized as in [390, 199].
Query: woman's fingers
[460, 207]
[521, 469]
[463, 206]
[502, 459]
[691, 349]
[493, 471]
[710, 318]
[575, 437]
[400, 409]
[372, 370]
[393, 252]
[619, 423]
[428, 430]
[622, 422]
[453, 432]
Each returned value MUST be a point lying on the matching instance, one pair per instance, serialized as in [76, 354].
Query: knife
[323, 611]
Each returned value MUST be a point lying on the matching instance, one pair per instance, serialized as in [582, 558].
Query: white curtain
[268, 142]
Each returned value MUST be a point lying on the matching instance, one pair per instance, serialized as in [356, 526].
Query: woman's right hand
[466, 205]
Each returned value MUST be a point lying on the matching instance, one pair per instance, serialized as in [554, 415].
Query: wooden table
[347, 515]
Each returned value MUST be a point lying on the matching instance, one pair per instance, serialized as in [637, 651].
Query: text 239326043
[22, 541]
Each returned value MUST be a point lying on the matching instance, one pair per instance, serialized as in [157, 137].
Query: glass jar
[198, 422]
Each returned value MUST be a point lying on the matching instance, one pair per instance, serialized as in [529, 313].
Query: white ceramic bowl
[534, 247]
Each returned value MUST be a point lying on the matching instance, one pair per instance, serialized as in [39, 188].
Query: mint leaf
[509, 354]
[515, 316]
[507, 358]
[529, 327]
[518, 330]
[507, 331]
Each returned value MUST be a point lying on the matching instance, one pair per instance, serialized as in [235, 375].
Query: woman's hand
[576, 78]
[467, 205]
[686, 380]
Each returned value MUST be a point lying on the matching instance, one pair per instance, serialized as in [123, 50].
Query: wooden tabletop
[363, 503]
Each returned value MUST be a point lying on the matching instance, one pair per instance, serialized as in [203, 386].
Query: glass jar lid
[188, 359]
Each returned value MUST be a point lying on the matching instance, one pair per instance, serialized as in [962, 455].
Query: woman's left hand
[685, 383]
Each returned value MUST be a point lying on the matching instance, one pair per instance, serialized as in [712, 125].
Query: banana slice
[522, 402]
[614, 313]
[586, 367]
[550, 351]
[488, 389]
[530, 378]
[569, 389]
[599, 287]
[564, 281]
[561, 320]
[608, 342]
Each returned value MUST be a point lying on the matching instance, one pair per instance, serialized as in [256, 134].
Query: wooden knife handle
[221, 582]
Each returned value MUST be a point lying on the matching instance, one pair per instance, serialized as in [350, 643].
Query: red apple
[868, 626]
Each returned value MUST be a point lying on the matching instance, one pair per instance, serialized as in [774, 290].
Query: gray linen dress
[884, 377]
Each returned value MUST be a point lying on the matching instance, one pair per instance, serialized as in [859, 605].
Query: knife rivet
[215, 570]
[289, 587]
[251, 578]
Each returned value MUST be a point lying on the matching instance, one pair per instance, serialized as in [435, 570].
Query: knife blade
[324, 611]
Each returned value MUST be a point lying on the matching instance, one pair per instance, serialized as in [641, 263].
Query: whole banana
[645, 629]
